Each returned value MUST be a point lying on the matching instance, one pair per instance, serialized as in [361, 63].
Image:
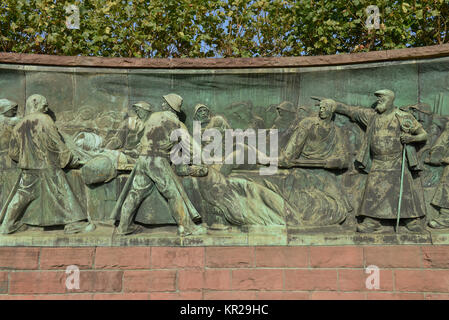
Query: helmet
[174, 100]
[6, 105]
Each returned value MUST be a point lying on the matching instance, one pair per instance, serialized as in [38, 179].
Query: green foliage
[219, 28]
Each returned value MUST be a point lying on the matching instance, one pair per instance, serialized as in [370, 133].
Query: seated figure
[317, 142]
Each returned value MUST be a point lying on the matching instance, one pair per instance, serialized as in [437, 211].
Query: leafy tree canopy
[219, 28]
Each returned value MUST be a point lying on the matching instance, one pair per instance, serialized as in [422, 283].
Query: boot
[442, 221]
[414, 225]
[369, 225]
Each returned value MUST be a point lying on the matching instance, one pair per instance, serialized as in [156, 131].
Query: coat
[381, 157]
[40, 152]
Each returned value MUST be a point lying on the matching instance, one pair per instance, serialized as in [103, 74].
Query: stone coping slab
[105, 236]
[217, 63]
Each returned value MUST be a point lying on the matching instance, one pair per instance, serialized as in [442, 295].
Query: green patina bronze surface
[85, 156]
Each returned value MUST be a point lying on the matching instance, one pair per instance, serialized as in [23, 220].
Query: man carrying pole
[153, 170]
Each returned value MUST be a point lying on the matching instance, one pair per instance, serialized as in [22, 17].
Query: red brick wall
[338, 272]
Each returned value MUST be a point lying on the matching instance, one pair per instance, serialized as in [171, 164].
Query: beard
[381, 107]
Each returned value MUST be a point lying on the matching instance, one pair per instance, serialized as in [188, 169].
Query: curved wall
[69, 83]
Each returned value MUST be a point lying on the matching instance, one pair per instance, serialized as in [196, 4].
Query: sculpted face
[203, 114]
[166, 107]
[36, 103]
[384, 103]
[325, 110]
[141, 113]
[39, 104]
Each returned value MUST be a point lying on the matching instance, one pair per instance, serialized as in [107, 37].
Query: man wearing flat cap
[388, 131]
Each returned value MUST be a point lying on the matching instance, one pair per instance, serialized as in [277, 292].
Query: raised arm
[361, 115]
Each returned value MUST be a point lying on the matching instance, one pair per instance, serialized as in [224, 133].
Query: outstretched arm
[357, 114]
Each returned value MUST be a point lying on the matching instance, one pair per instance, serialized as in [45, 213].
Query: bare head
[327, 108]
[36, 103]
[385, 100]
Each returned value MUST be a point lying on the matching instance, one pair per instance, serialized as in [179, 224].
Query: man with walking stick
[393, 189]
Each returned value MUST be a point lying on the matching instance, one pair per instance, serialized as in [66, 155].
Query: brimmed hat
[286, 106]
[422, 107]
[144, 105]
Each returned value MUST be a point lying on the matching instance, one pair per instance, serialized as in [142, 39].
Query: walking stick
[401, 189]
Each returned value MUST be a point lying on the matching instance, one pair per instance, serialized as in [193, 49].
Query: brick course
[195, 273]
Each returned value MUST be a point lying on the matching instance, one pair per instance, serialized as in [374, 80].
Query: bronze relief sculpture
[130, 155]
[41, 154]
[388, 132]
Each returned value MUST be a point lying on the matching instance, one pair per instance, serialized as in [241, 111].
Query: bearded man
[388, 131]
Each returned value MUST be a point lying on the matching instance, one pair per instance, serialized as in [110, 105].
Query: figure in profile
[40, 153]
[153, 170]
[8, 119]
